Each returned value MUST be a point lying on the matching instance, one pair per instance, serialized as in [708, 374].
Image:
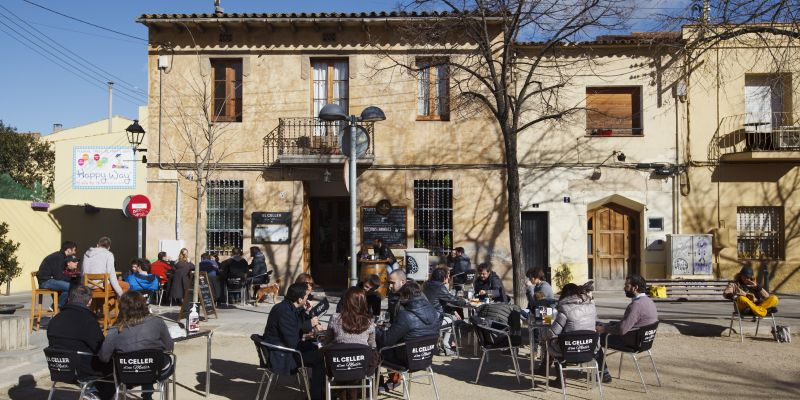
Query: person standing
[100, 260]
[383, 252]
[51, 271]
[180, 278]
[748, 294]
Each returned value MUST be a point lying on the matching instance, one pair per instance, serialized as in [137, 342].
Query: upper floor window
[433, 94]
[227, 89]
[759, 232]
[764, 103]
[614, 111]
[330, 84]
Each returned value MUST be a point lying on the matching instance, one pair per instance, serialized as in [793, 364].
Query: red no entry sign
[136, 206]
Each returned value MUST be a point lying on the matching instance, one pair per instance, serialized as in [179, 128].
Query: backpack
[782, 334]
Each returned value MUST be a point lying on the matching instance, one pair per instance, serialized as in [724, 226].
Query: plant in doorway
[562, 276]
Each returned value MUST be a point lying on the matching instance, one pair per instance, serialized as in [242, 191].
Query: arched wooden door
[613, 244]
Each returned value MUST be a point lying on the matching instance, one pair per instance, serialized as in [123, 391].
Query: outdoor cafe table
[208, 333]
[535, 325]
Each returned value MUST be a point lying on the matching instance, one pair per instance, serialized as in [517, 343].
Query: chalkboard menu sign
[271, 227]
[207, 305]
[390, 227]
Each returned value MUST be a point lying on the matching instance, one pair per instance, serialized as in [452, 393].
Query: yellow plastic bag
[659, 292]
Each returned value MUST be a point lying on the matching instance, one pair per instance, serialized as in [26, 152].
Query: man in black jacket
[416, 319]
[75, 328]
[488, 284]
[51, 271]
[397, 279]
[444, 302]
[285, 328]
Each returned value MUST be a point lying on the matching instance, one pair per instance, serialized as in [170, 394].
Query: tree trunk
[197, 225]
[514, 215]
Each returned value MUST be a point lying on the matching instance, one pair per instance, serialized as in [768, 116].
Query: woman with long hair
[180, 277]
[136, 329]
[354, 324]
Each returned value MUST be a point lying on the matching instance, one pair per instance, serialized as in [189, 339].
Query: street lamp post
[334, 112]
[135, 134]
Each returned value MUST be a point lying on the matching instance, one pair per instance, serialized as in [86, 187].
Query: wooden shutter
[614, 108]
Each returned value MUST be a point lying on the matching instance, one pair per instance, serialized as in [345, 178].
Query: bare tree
[502, 58]
[200, 145]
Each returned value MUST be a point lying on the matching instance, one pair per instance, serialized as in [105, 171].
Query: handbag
[782, 334]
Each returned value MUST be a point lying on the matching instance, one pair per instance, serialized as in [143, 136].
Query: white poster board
[171, 247]
[103, 167]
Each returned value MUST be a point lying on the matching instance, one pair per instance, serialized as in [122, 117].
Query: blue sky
[38, 92]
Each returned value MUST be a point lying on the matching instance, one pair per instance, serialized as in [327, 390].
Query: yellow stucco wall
[716, 186]
[40, 233]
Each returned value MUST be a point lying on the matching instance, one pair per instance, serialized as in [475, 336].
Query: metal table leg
[208, 363]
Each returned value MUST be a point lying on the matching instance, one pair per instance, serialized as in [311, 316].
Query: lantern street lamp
[334, 112]
[136, 137]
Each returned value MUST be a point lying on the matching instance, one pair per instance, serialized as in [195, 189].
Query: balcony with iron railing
[311, 141]
[758, 137]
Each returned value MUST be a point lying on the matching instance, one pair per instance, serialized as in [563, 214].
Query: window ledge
[433, 118]
[611, 136]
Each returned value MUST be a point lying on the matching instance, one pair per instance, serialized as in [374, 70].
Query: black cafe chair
[346, 363]
[234, 285]
[263, 349]
[495, 336]
[136, 368]
[417, 356]
[577, 350]
[635, 343]
[65, 368]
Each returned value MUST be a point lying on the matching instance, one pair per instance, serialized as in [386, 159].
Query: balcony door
[329, 86]
[763, 102]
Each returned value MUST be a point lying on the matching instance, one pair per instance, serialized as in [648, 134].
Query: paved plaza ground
[694, 360]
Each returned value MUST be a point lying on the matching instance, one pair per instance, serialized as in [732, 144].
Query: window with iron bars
[433, 215]
[225, 214]
[759, 232]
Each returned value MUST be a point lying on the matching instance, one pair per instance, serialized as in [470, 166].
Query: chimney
[57, 127]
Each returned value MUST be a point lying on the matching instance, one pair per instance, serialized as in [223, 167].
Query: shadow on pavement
[236, 380]
[26, 389]
[694, 328]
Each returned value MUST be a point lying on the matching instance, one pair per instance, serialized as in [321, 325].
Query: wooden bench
[691, 289]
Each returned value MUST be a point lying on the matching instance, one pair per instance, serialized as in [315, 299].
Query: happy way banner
[103, 167]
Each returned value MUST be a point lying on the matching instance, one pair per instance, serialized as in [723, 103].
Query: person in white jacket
[100, 260]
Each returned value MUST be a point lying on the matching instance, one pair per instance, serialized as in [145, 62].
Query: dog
[270, 289]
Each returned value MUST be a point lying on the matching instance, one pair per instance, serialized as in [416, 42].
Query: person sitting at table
[459, 264]
[748, 294]
[75, 328]
[536, 284]
[397, 279]
[161, 268]
[417, 318]
[285, 328]
[51, 271]
[140, 279]
[370, 284]
[383, 252]
[488, 284]
[435, 290]
[136, 329]
[576, 312]
[100, 260]
[640, 312]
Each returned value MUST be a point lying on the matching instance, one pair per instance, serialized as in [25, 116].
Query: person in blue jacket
[140, 278]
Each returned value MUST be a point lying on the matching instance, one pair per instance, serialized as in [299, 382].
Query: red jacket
[160, 269]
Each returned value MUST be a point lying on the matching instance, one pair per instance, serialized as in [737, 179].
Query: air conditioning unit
[789, 137]
[417, 264]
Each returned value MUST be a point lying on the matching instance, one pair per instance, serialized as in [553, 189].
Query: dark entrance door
[535, 241]
[330, 241]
